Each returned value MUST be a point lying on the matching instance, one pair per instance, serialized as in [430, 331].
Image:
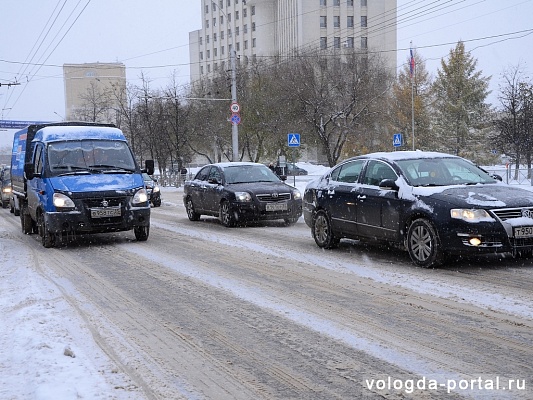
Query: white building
[266, 28]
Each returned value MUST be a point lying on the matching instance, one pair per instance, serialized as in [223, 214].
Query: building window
[323, 43]
[236, 15]
[202, 69]
[207, 8]
[214, 37]
[214, 22]
[208, 68]
[323, 22]
[349, 3]
[229, 18]
[245, 13]
[364, 42]
[245, 28]
[221, 3]
[349, 42]
[215, 66]
[253, 10]
[363, 21]
[207, 39]
[246, 45]
[229, 32]
[201, 41]
[228, 3]
[336, 21]
[221, 35]
[207, 23]
[201, 55]
[215, 52]
[238, 46]
[236, 1]
[323, 3]
[208, 52]
[253, 26]
[221, 19]
[237, 31]
[222, 52]
[363, 3]
[254, 43]
[336, 3]
[337, 42]
[349, 21]
[230, 48]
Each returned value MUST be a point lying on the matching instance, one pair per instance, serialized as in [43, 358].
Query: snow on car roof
[69, 132]
[408, 155]
[237, 164]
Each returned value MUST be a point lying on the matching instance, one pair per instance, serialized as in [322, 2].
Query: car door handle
[361, 196]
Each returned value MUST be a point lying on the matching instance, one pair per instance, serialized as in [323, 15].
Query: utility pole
[234, 126]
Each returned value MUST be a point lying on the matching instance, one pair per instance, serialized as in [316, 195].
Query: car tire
[226, 215]
[48, 239]
[25, 221]
[423, 244]
[157, 203]
[191, 213]
[322, 231]
[4, 204]
[141, 233]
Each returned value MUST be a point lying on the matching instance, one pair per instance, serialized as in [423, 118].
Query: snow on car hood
[260, 187]
[481, 195]
[96, 182]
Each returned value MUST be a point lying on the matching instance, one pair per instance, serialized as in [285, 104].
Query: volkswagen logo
[104, 203]
[527, 213]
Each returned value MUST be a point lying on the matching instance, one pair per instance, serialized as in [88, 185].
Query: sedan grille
[273, 197]
[508, 213]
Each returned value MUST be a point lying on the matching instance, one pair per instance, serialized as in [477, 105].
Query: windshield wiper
[109, 168]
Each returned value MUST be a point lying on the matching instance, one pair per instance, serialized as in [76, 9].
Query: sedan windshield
[249, 173]
[89, 155]
[442, 172]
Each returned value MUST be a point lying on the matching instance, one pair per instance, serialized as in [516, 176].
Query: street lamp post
[233, 56]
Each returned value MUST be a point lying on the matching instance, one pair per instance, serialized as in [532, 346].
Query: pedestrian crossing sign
[397, 140]
[293, 139]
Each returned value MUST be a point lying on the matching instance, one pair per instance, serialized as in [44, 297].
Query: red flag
[412, 63]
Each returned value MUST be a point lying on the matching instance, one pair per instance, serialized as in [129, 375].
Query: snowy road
[200, 311]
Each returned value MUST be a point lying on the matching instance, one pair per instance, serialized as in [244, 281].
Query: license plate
[277, 207]
[523, 232]
[105, 212]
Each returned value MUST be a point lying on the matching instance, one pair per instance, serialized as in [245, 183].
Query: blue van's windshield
[89, 155]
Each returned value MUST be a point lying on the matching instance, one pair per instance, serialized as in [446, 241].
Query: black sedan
[241, 191]
[430, 204]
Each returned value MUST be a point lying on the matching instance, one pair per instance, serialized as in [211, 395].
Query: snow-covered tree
[460, 93]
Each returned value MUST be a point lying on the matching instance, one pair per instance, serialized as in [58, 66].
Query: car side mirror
[497, 177]
[149, 167]
[283, 177]
[29, 170]
[214, 181]
[388, 184]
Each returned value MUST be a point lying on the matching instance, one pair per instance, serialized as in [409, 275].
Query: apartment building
[267, 28]
[92, 79]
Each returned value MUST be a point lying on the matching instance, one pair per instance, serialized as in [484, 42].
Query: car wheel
[423, 244]
[141, 233]
[157, 203]
[48, 238]
[226, 215]
[322, 231]
[25, 221]
[4, 204]
[191, 213]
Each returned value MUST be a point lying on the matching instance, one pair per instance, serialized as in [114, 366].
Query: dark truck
[77, 178]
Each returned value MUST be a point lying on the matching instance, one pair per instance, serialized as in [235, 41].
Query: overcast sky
[151, 37]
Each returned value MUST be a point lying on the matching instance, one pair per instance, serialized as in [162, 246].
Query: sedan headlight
[6, 189]
[156, 189]
[296, 194]
[140, 197]
[470, 215]
[243, 196]
[63, 201]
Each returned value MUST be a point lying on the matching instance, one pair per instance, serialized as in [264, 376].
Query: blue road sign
[293, 139]
[235, 119]
[397, 140]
